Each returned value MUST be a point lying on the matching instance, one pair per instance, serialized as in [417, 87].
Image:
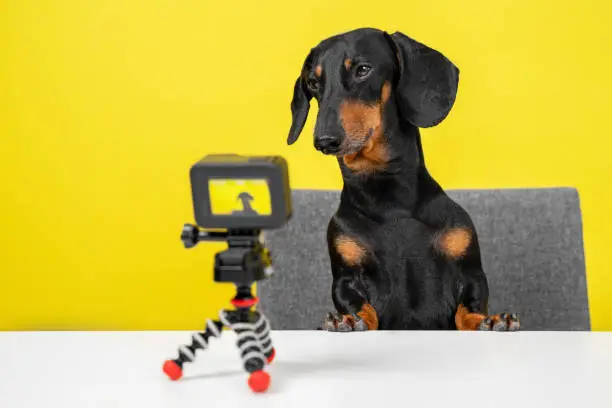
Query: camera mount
[245, 261]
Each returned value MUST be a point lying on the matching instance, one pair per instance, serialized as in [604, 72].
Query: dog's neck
[394, 191]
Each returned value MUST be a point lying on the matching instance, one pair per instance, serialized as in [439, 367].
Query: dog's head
[362, 78]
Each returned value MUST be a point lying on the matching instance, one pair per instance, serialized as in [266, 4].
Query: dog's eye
[362, 71]
[313, 84]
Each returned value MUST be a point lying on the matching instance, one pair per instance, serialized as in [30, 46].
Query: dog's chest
[401, 238]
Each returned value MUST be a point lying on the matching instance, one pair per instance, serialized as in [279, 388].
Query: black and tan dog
[403, 254]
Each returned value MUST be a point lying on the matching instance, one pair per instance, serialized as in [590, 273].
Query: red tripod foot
[259, 381]
[272, 355]
[172, 370]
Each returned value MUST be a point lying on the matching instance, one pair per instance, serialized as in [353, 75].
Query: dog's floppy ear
[300, 104]
[427, 83]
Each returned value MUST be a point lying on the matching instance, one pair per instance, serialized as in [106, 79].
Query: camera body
[230, 191]
[241, 195]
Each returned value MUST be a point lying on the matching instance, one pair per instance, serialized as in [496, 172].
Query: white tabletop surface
[311, 369]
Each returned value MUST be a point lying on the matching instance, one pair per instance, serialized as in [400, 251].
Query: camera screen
[239, 197]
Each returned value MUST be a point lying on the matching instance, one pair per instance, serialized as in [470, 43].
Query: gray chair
[531, 242]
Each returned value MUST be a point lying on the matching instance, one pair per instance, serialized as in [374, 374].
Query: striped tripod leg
[251, 353]
[187, 353]
[262, 330]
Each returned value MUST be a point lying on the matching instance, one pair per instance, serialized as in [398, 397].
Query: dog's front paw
[336, 322]
[501, 322]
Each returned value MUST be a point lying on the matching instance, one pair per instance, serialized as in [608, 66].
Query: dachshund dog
[404, 256]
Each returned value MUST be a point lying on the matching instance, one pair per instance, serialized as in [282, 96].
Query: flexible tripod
[245, 261]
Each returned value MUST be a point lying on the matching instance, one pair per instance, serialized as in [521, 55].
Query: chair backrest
[531, 243]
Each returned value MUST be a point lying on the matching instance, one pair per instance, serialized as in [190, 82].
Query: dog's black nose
[327, 144]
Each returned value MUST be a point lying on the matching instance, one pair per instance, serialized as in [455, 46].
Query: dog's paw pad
[343, 323]
[360, 324]
[485, 325]
[501, 322]
[330, 322]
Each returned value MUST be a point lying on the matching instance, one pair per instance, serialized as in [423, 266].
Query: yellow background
[106, 104]
[224, 196]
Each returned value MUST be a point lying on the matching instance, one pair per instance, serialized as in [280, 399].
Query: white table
[311, 369]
